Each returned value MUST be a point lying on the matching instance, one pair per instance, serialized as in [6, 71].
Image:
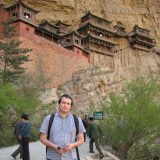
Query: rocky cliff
[97, 82]
[144, 13]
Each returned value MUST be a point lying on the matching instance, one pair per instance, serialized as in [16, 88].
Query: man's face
[65, 105]
[23, 120]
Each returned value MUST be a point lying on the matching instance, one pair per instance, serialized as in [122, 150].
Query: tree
[132, 121]
[12, 104]
[11, 55]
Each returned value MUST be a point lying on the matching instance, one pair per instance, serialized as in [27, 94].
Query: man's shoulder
[94, 123]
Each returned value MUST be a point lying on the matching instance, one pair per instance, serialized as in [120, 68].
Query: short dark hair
[91, 118]
[24, 116]
[66, 96]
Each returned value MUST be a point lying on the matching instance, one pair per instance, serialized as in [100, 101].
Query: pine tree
[11, 55]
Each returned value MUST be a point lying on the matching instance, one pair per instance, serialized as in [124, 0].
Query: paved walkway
[37, 151]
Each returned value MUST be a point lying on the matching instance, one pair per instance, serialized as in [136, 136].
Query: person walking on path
[95, 133]
[25, 136]
[85, 123]
[61, 142]
[17, 131]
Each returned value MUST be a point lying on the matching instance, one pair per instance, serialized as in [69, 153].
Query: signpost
[98, 115]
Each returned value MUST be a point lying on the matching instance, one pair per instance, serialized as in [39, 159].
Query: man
[25, 136]
[62, 132]
[95, 133]
[17, 133]
[86, 117]
[85, 124]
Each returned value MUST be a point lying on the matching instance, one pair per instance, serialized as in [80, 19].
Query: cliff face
[95, 83]
[144, 13]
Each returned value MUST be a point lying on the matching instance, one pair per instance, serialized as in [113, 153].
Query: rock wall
[96, 83]
[56, 63]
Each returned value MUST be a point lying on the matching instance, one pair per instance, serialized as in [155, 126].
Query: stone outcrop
[56, 63]
[98, 82]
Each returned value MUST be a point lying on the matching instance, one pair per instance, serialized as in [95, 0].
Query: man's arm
[101, 133]
[46, 142]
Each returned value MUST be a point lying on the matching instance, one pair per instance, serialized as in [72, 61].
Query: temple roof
[20, 2]
[75, 33]
[47, 23]
[102, 19]
[141, 28]
[90, 24]
[142, 42]
[61, 23]
[142, 35]
[48, 31]
[121, 28]
[120, 25]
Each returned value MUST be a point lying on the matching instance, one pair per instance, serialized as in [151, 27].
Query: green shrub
[131, 119]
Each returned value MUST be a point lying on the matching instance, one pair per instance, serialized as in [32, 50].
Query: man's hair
[24, 116]
[66, 96]
[91, 118]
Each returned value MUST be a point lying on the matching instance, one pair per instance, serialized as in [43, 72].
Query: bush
[12, 105]
[131, 121]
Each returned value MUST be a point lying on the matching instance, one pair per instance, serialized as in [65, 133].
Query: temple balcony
[121, 33]
[141, 33]
[136, 46]
[101, 38]
[65, 45]
[25, 19]
[99, 50]
[146, 41]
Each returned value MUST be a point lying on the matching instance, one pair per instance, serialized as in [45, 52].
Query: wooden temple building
[141, 39]
[120, 30]
[95, 34]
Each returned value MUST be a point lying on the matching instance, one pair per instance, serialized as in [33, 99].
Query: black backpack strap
[76, 121]
[49, 127]
[50, 124]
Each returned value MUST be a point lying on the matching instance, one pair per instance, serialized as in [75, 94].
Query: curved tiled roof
[20, 2]
[102, 19]
[46, 22]
[60, 22]
[90, 24]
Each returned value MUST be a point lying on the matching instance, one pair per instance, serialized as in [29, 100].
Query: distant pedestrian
[25, 136]
[17, 131]
[96, 132]
[86, 117]
[85, 123]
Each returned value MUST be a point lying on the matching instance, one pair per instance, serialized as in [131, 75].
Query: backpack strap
[50, 124]
[76, 121]
[49, 127]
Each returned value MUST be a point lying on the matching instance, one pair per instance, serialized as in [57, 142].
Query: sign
[98, 115]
